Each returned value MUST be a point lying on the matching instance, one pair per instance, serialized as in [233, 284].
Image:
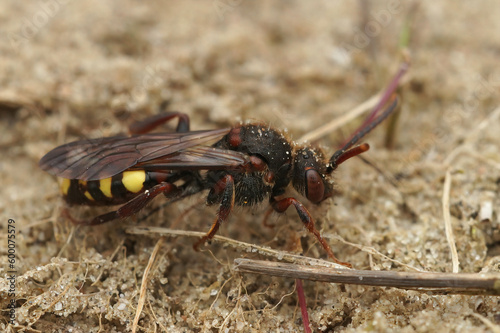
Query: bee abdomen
[109, 191]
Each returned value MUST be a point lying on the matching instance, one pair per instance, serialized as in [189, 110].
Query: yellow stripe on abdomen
[88, 196]
[134, 180]
[105, 187]
[65, 185]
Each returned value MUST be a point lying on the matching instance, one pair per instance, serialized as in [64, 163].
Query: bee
[243, 165]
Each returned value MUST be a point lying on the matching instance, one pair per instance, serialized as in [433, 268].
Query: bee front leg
[282, 205]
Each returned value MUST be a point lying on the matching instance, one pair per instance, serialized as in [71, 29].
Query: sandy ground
[72, 70]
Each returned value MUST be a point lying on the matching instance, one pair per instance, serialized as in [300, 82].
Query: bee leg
[282, 205]
[150, 123]
[226, 187]
[134, 205]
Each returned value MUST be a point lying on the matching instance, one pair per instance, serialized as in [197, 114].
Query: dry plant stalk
[247, 247]
[440, 283]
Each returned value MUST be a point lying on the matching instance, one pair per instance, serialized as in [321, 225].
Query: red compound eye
[315, 189]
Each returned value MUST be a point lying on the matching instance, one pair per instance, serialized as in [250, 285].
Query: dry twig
[444, 283]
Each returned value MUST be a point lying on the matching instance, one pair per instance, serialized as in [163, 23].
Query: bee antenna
[346, 151]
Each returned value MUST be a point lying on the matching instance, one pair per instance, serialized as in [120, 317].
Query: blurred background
[73, 69]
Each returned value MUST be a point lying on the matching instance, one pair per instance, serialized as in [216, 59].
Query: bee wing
[197, 158]
[102, 158]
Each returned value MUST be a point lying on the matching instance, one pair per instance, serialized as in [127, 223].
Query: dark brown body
[272, 148]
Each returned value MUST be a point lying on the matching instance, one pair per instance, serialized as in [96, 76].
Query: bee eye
[315, 189]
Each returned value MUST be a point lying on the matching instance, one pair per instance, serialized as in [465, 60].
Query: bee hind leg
[150, 123]
[133, 206]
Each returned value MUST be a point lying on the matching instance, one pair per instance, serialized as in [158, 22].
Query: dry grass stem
[144, 283]
[252, 248]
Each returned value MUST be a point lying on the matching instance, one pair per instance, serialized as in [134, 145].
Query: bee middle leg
[225, 186]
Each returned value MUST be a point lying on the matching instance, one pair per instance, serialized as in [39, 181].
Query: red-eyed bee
[242, 165]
